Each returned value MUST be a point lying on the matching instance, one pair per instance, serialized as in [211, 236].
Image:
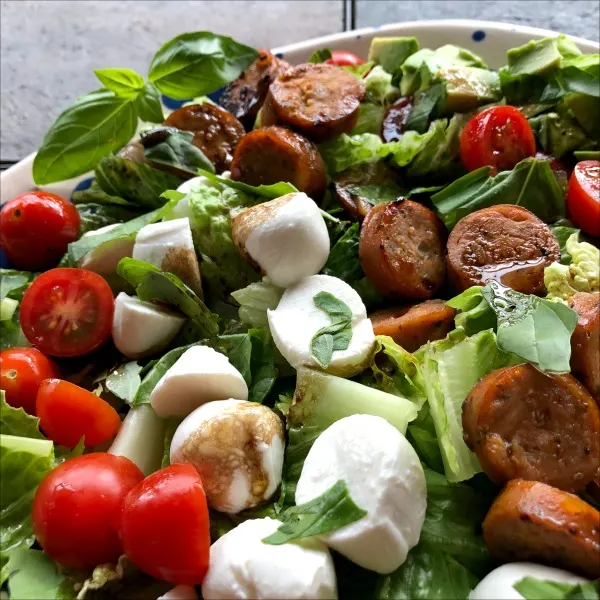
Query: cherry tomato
[67, 312]
[583, 197]
[499, 136]
[164, 525]
[35, 229]
[76, 508]
[343, 58]
[21, 372]
[67, 413]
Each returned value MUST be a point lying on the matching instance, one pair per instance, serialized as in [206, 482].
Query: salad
[329, 330]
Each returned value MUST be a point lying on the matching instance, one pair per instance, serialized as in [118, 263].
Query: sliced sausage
[318, 100]
[503, 242]
[347, 187]
[401, 250]
[395, 120]
[413, 326]
[585, 341]
[244, 96]
[532, 521]
[525, 424]
[275, 154]
[216, 132]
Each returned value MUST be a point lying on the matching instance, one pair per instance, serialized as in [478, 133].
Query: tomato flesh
[22, 370]
[343, 58]
[35, 229]
[583, 196]
[498, 137]
[67, 312]
[68, 412]
[164, 525]
[76, 507]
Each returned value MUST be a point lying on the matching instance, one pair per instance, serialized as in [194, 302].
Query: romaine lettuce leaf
[370, 119]
[13, 284]
[349, 150]
[379, 88]
[254, 300]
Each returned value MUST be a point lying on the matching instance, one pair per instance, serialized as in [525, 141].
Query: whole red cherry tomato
[68, 412]
[499, 137]
[35, 229]
[21, 372]
[583, 197]
[343, 58]
[67, 312]
[76, 507]
[164, 525]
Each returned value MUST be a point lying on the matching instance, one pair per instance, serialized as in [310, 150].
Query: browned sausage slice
[275, 154]
[585, 341]
[525, 424]
[347, 187]
[401, 250]
[413, 326]
[532, 521]
[244, 96]
[318, 100]
[503, 242]
[395, 120]
[216, 132]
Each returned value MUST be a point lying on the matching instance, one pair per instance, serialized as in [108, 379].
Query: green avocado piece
[469, 87]
[460, 57]
[534, 58]
[585, 110]
[557, 134]
[391, 52]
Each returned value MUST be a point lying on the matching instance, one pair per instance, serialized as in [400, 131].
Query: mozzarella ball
[180, 592]
[200, 375]
[384, 477]
[242, 566]
[104, 258]
[498, 585]
[237, 447]
[297, 319]
[142, 328]
[169, 246]
[286, 237]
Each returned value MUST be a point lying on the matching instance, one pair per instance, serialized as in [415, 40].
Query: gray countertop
[49, 50]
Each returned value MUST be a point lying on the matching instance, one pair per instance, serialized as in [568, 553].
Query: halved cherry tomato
[76, 507]
[67, 413]
[499, 137]
[67, 312]
[583, 197]
[343, 58]
[164, 525]
[21, 372]
[35, 229]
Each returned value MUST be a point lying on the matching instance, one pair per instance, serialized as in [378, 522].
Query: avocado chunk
[418, 70]
[557, 134]
[391, 52]
[534, 58]
[460, 57]
[469, 87]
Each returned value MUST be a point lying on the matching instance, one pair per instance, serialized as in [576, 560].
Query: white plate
[489, 39]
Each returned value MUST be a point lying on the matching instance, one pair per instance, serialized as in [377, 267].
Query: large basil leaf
[94, 216]
[274, 190]
[96, 125]
[531, 184]
[125, 83]
[198, 63]
[149, 106]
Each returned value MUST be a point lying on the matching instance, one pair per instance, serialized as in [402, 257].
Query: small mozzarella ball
[498, 585]
[142, 328]
[384, 477]
[237, 447]
[104, 258]
[286, 237]
[200, 375]
[242, 566]
[297, 319]
[169, 246]
[180, 592]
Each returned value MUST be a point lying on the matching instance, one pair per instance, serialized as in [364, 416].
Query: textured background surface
[49, 49]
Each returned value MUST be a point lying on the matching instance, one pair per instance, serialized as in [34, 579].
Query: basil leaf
[532, 588]
[198, 63]
[425, 104]
[274, 190]
[149, 106]
[124, 381]
[94, 216]
[320, 56]
[123, 82]
[96, 125]
[329, 511]
[530, 184]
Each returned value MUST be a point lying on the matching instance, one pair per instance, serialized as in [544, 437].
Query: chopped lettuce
[12, 287]
[532, 588]
[370, 119]
[582, 275]
[254, 300]
[349, 150]
[379, 88]
[33, 574]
